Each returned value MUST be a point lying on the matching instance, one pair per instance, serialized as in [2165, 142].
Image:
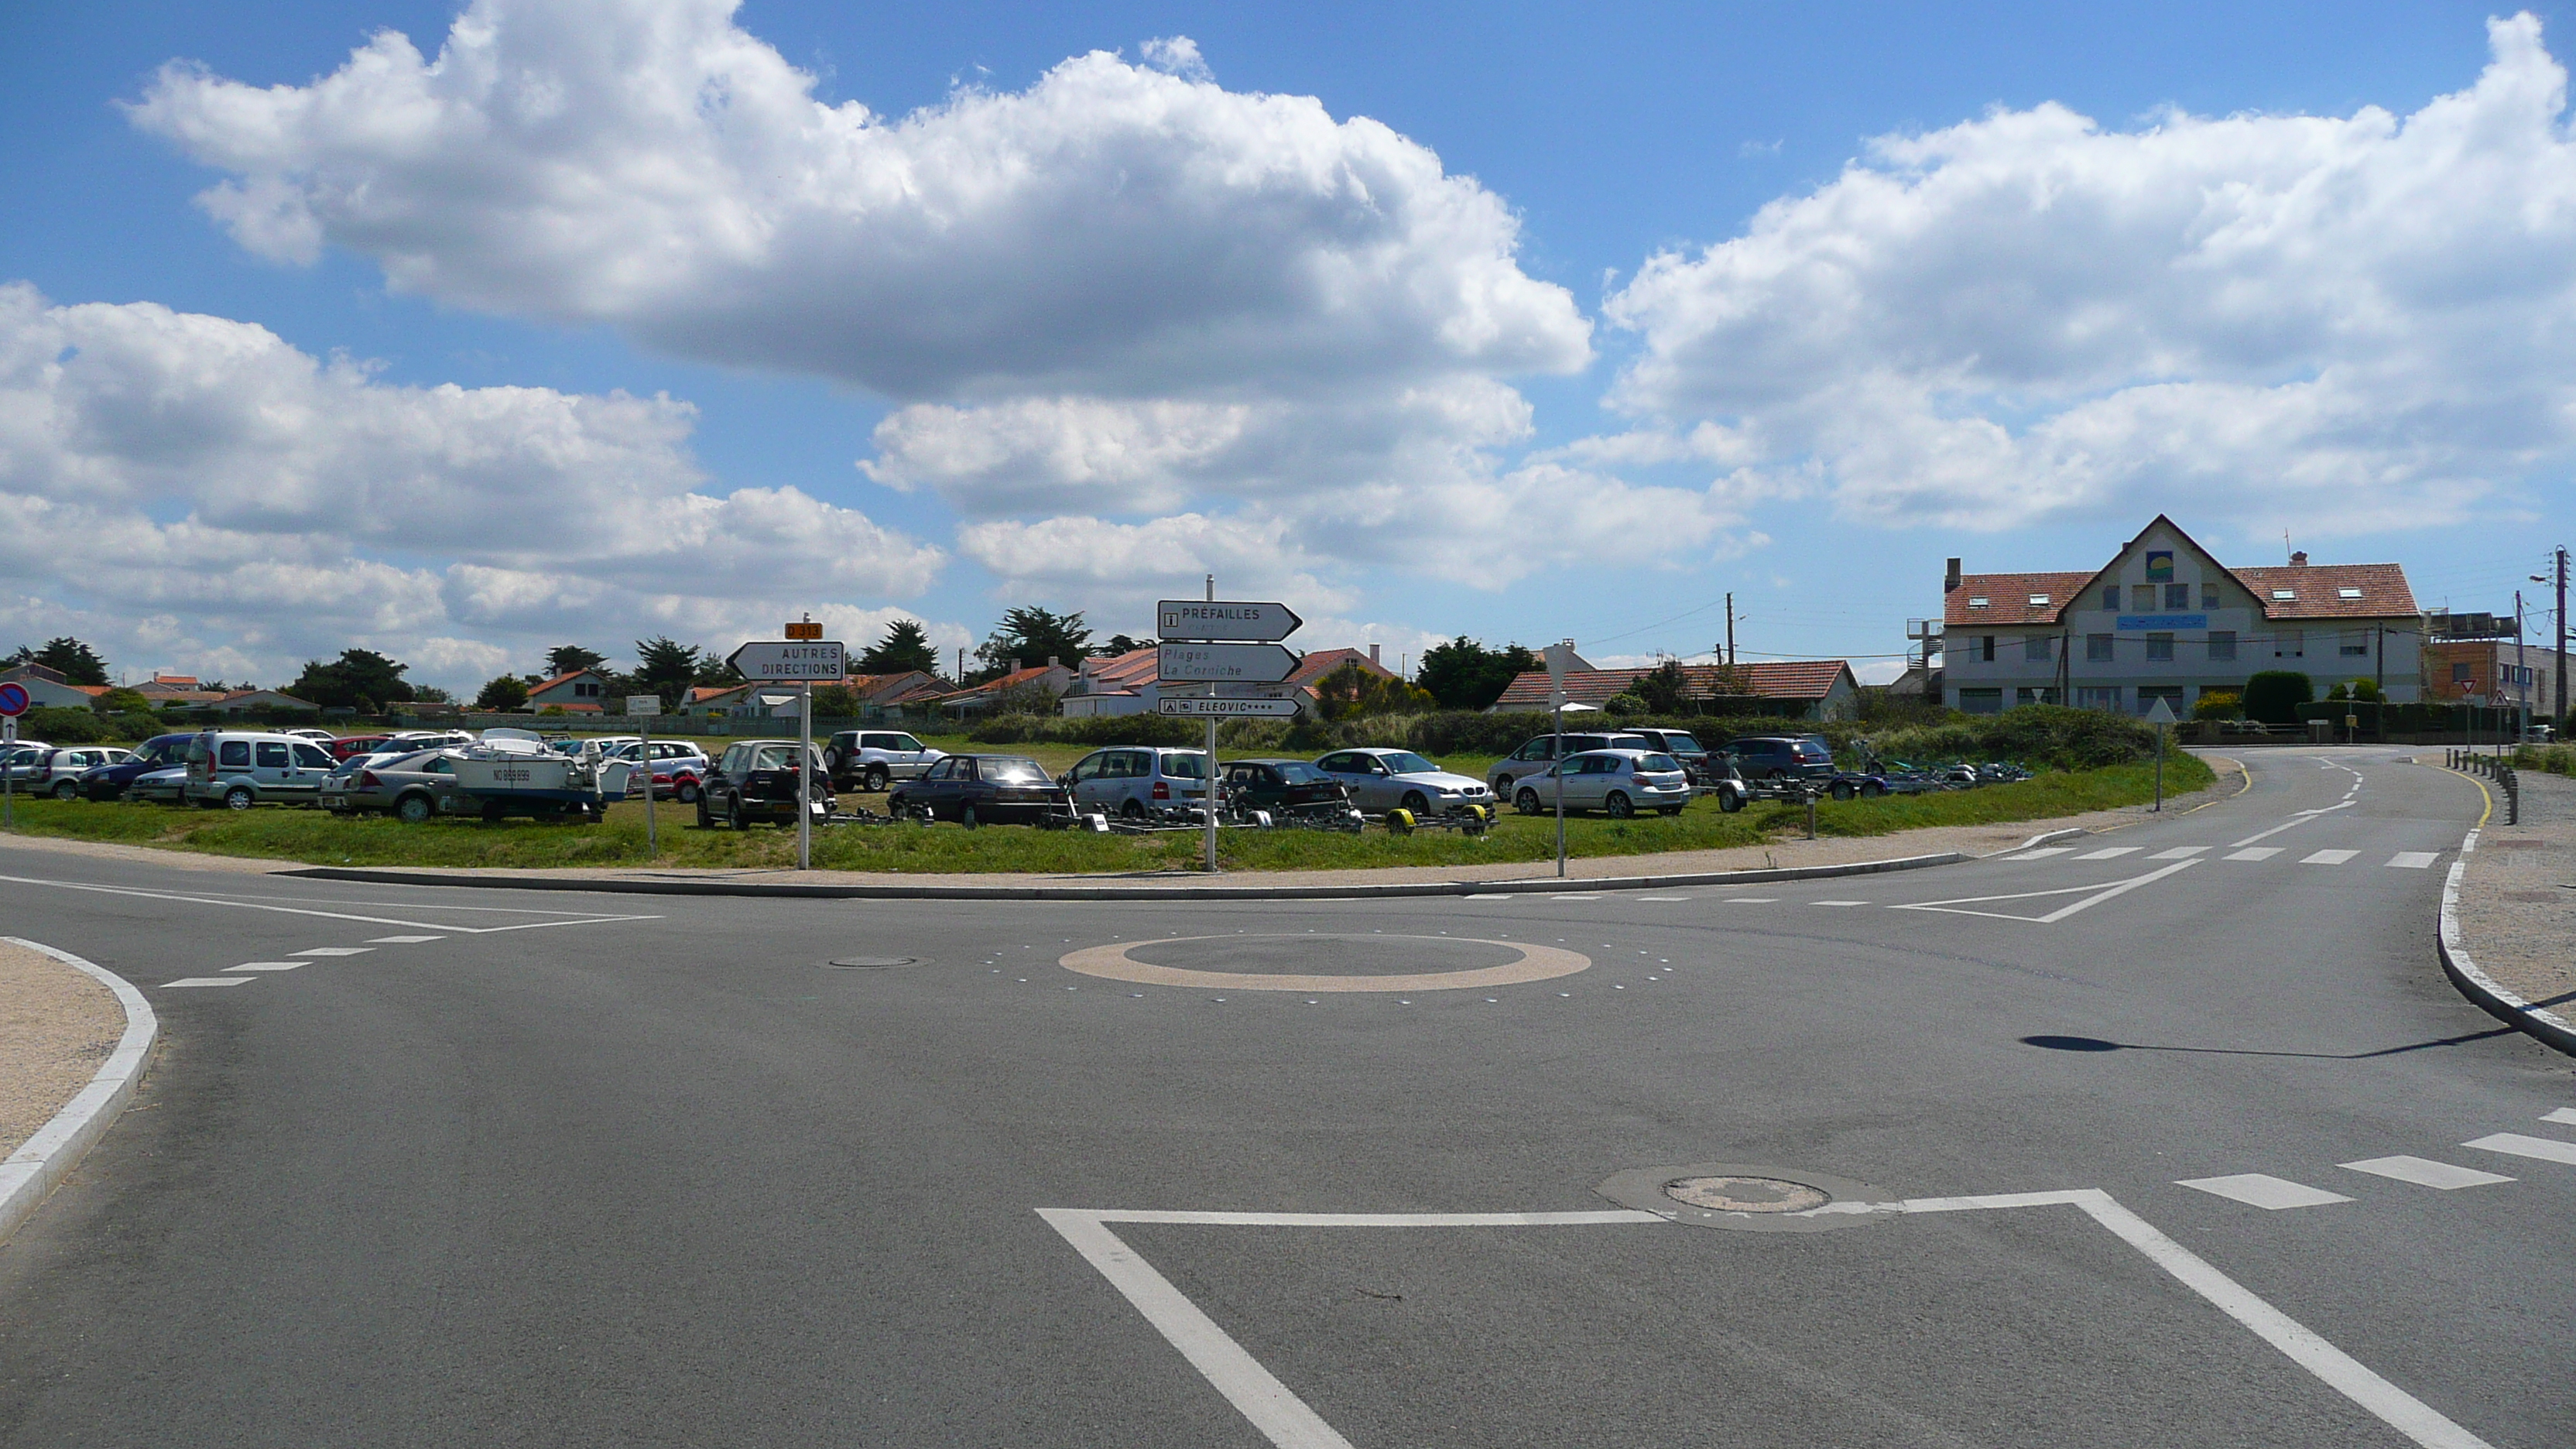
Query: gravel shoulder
[57, 1027]
[2518, 896]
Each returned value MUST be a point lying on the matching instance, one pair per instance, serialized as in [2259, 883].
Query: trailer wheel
[1399, 821]
[1729, 801]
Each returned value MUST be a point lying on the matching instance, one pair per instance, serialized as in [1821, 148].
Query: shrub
[1625, 706]
[58, 726]
[2274, 696]
[2218, 704]
[2040, 734]
[1122, 729]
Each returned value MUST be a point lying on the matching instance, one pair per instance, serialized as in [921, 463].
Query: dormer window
[2347, 593]
[2038, 600]
[2285, 595]
[1980, 602]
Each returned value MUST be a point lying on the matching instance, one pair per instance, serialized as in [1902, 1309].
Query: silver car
[160, 787]
[1382, 779]
[411, 788]
[1534, 757]
[868, 759]
[1134, 781]
[1618, 783]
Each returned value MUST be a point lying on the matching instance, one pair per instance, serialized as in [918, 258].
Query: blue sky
[468, 369]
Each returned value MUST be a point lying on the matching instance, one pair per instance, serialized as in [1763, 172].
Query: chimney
[1372, 654]
[1951, 581]
[2299, 560]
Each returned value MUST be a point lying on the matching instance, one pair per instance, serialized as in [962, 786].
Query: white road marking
[2043, 853]
[1749, 901]
[2263, 1190]
[1837, 903]
[1488, 896]
[2098, 894]
[1562, 896]
[2113, 852]
[2180, 852]
[402, 940]
[336, 951]
[1661, 898]
[2425, 1172]
[1286, 1420]
[2260, 852]
[267, 966]
[2302, 818]
[2327, 857]
[2547, 1149]
[209, 981]
[2562, 1114]
[2414, 859]
[70, 885]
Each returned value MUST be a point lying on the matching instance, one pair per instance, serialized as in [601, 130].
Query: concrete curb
[1550, 885]
[32, 1171]
[2484, 990]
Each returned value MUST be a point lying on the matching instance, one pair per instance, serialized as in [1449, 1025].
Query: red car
[354, 745]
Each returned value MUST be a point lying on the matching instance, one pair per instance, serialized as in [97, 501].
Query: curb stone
[2482, 989]
[32, 1172]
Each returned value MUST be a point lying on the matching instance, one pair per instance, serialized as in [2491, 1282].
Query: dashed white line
[2259, 852]
[2546, 1149]
[2424, 1172]
[2414, 859]
[269, 966]
[2111, 852]
[2262, 1190]
[1838, 903]
[2327, 857]
[1749, 900]
[2180, 852]
[1663, 898]
[336, 951]
[209, 981]
[2043, 853]
[402, 940]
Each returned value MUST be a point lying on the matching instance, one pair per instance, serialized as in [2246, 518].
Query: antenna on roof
[2285, 542]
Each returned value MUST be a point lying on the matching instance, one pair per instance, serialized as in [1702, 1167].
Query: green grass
[319, 839]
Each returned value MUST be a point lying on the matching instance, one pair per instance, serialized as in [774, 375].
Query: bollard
[1811, 812]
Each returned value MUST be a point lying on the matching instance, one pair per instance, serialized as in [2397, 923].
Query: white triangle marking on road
[2094, 895]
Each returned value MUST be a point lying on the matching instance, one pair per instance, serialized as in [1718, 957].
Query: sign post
[2160, 716]
[13, 703]
[1212, 642]
[1560, 658]
[800, 659]
[651, 706]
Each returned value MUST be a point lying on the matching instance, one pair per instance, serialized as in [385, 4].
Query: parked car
[108, 782]
[755, 780]
[984, 790]
[1781, 757]
[1290, 789]
[21, 759]
[307, 732]
[1382, 779]
[160, 787]
[1539, 753]
[58, 772]
[870, 759]
[1133, 781]
[1618, 783]
[679, 770]
[1682, 745]
[351, 746]
[412, 788]
[237, 769]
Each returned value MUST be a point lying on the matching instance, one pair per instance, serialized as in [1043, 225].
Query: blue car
[109, 782]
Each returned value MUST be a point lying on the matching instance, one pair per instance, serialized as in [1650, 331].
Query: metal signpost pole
[804, 774]
[1559, 659]
[1207, 791]
[652, 845]
[8, 802]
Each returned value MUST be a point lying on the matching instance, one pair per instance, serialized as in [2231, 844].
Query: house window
[2177, 597]
[2463, 673]
[2209, 596]
[1985, 648]
[2160, 648]
[2034, 648]
[2111, 598]
[2142, 598]
[1980, 601]
[2039, 601]
[1981, 701]
[2289, 644]
[2222, 644]
[2097, 648]
[2098, 697]
[2354, 646]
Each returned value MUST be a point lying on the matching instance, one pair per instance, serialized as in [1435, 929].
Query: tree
[1354, 692]
[905, 647]
[2274, 695]
[1121, 644]
[358, 679]
[76, 662]
[503, 692]
[665, 668]
[122, 701]
[835, 701]
[1625, 704]
[1464, 674]
[1031, 635]
[568, 658]
[1663, 690]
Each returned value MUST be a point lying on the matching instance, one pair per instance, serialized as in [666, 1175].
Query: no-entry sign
[13, 699]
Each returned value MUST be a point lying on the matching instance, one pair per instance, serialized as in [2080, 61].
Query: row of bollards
[2496, 768]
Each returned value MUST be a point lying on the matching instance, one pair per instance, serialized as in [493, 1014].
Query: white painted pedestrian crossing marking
[2111, 852]
[1663, 898]
[2425, 1172]
[2179, 852]
[1562, 896]
[2328, 857]
[2414, 859]
[1750, 901]
[2258, 852]
[210, 981]
[2563, 1114]
[2043, 853]
[2547, 1149]
[266, 966]
[2264, 1191]
[337, 951]
[1839, 903]
[403, 940]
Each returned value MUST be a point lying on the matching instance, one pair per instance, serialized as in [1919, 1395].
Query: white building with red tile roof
[583, 691]
[2164, 619]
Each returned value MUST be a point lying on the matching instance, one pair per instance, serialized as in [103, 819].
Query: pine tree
[906, 646]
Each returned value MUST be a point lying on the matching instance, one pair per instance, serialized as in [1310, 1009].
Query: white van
[241, 768]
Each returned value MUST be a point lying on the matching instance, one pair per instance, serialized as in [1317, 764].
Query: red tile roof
[2318, 587]
[1773, 679]
[1324, 661]
[2320, 590]
[559, 679]
[2008, 598]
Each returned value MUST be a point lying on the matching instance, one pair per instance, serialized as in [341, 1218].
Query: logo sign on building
[2163, 621]
[13, 699]
[1224, 663]
[2159, 565]
[782, 660]
[1228, 708]
[1219, 619]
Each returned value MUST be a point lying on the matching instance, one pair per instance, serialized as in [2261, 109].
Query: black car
[984, 790]
[756, 780]
[1781, 757]
[1292, 789]
[108, 782]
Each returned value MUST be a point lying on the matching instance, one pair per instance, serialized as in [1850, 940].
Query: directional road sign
[771, 660]
[1220, 619]
[1225, 663]
[13, 699]
[1229, 708]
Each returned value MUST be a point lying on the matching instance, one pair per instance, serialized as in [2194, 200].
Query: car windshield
[1298, 772]
[1182, 766]
[1406, 762]
[1681, 744]
[1015, 772]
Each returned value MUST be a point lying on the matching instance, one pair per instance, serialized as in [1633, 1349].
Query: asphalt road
[624, 1170]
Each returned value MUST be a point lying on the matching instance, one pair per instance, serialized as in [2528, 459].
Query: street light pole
[1207, 790]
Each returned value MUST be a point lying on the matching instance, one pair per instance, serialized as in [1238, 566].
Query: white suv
[237, 769]
[867, 759]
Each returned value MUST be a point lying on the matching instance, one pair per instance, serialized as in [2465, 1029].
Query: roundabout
[1331, 962]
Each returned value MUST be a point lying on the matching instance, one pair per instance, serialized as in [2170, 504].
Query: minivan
[237, 769]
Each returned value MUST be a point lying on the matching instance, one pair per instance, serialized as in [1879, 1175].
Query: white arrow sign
[1229, 708]
[1224, 664]
[1219, 619]
[790, 659]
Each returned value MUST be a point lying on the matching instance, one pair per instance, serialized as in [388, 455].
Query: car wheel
[1132, 810]
[966, 816]
[1729, 801]
[1414, 802]
[1872, 790]
[1618, 805]
[67, 790]
[874, 780]
[734, 816]
[239, 798]
[414, 810]
[687, 793]
[1842, 790]
[705, 821]
[1527, 802]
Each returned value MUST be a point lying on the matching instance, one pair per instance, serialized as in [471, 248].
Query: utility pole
[1207, 789]
[2562, 634]
[1730, 612]
[2521, 681]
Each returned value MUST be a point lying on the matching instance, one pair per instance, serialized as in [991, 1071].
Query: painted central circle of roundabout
[1116, 962]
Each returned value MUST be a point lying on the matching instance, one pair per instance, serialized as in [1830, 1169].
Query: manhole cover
[1745, 1194]
[872, 963]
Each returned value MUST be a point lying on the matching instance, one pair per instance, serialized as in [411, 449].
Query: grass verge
[319, 839]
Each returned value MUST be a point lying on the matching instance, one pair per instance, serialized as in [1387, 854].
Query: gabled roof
[1033, 674]
[2317, 588]
[1112, 673]
[559, 679]
[2008, 598]
[1324, 661]
[1801, 679]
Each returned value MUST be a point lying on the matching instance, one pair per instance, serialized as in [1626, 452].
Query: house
[2506, 673]
[1817, 689]
[47, 689]
[2165, 620]
[881, 694]
[583, 691]
[241, 701]
[1051, 678]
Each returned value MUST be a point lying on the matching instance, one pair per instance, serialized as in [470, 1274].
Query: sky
[461, 332]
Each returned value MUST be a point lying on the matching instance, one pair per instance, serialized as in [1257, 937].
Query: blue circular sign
[13, 699]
